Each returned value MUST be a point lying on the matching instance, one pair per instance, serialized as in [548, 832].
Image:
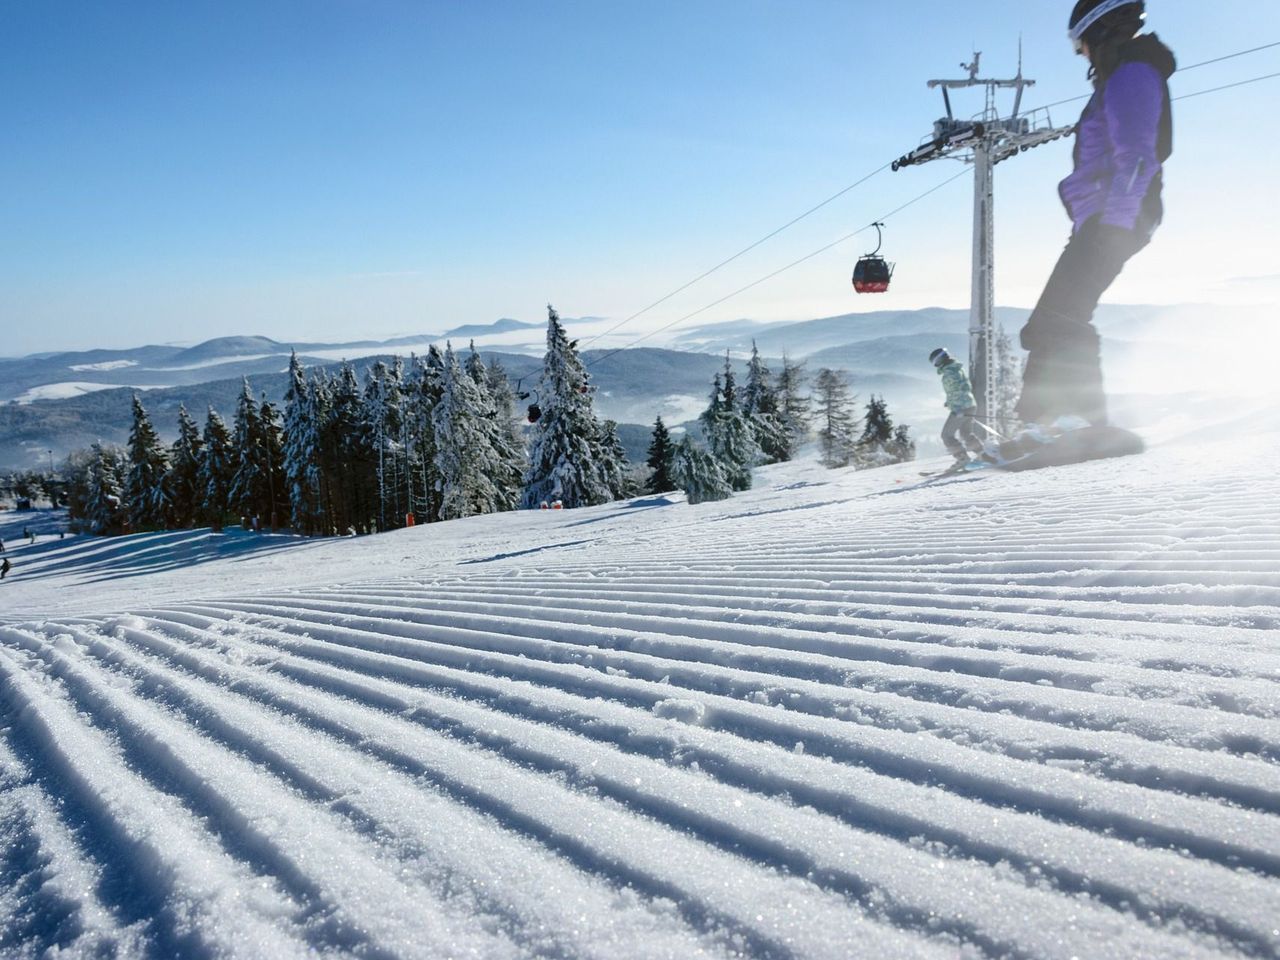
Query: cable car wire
[1228, 86]
[740, 253]
[781, 270]
[1229, 56]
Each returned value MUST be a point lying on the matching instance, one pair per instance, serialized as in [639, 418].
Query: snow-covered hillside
[843, 715]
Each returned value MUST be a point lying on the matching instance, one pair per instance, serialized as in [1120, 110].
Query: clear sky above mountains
[333, 169]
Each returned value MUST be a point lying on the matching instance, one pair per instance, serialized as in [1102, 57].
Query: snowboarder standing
[1113, 197]
[961, 434]
[5, 567]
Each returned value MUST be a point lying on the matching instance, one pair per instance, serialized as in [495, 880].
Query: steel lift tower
[984, 141]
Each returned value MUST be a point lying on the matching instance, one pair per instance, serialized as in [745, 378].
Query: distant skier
[962, 434]
[1113, 197]
[1, 548]
[5, 567]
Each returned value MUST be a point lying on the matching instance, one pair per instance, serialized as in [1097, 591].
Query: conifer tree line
[438, 439]
[31, 485]
[766, 421]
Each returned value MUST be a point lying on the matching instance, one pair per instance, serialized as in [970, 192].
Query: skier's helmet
[939, 357]
[1093, 20]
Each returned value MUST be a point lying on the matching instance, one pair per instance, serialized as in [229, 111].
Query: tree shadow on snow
[102, 559]
[524, 553]
[647, 504]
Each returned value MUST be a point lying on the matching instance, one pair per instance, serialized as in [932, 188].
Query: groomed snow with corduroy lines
[842, 715]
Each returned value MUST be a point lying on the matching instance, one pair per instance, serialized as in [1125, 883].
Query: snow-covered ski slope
[843, 715]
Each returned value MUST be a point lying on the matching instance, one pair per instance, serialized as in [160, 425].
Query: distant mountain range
[58, 376]
[63, 401]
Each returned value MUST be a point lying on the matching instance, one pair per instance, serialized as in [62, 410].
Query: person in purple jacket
[1113, 197]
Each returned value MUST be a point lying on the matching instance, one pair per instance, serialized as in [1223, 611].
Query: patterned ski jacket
[959, 391]
[1122, 141]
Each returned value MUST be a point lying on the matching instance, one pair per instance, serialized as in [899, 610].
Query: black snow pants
[1063, 375]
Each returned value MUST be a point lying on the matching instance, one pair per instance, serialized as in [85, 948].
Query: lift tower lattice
[984, 141]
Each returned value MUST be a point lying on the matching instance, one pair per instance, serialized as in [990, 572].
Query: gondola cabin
[872, 275]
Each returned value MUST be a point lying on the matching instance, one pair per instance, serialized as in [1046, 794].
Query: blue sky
[338, 169]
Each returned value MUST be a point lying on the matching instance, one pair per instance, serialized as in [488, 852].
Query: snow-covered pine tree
[903, 447]
[427, 388]
[729, 435]
[419, 441]
[355, 491]
[716, 400]
[1008, 385]
[614, 463]
[564, 453]
[327, 466]
[660, 451]
[397, 444]
[698, 473]
[74, 472]
[795, 414]
[381, 417]
[104, 508]
[504, 401]
[185, 493]
[760, 407]
[301, 453]
[216, 469]
[877, 434]
[836, 424]
[272, 463]
[145, 494]
[408, 440]
[465, 459]
[247, 496]
[881, 442]
[474, 365]
[508, 447]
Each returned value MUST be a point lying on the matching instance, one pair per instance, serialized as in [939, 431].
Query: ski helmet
[939, 357]
[1103, 15]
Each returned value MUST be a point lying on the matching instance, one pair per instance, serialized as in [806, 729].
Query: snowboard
[1077, 446]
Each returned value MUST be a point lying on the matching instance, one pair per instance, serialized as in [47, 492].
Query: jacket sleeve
[1133, 103]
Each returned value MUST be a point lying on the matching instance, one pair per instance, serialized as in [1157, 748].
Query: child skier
[1113, 197]
[961, 434]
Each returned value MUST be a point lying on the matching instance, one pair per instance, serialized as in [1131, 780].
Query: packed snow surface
[843, 715]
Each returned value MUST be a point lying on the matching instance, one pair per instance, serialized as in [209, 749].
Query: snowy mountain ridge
[39, 376]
